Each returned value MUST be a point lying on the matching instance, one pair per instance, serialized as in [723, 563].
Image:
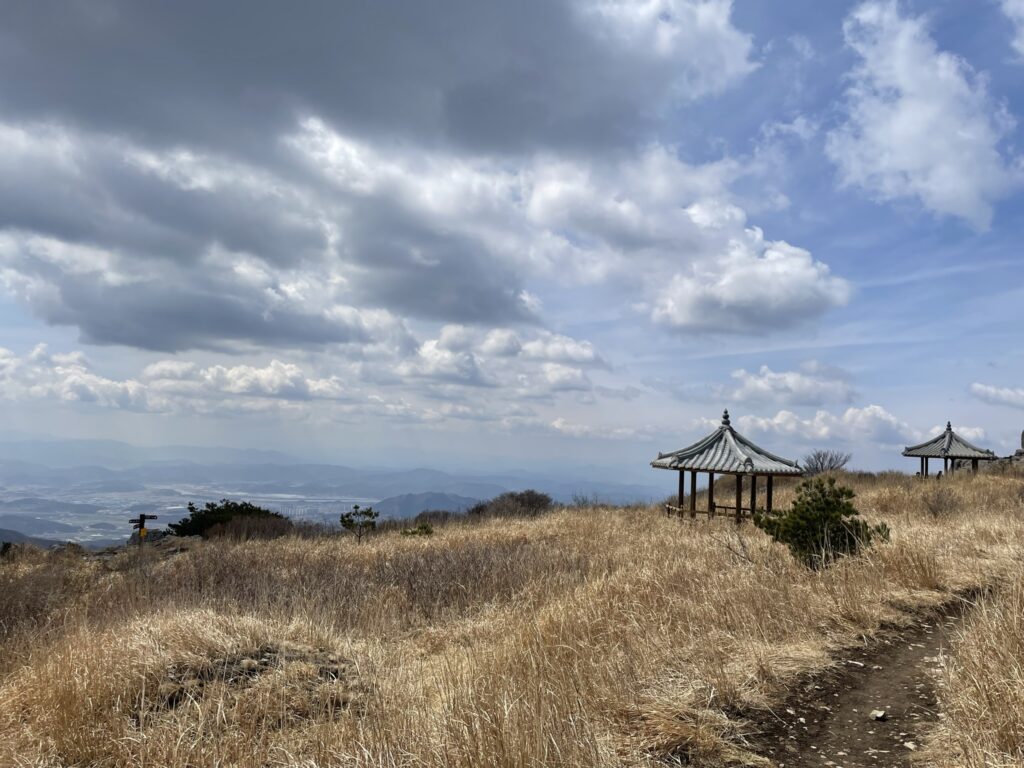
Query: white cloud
[1011, 396]
[433, 361]
[813, 385]
[753, 287]
[969, 433]
[920, 122]
[562, 378]
[554, 347]
[164, 386]
[601, 432]
[693, 39]
[1014, 10]
[871, 423]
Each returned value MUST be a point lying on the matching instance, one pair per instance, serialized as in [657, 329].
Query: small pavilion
[725, 452]
[949, 447]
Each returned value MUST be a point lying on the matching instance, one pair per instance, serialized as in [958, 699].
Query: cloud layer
[920, 122]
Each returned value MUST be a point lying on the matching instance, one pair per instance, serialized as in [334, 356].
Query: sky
[534, 234]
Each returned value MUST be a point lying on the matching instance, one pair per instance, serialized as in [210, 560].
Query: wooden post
[768, 500]
[682, 489]
[974, 466]
[753, 494]
[711, 495]
[693, 493]
[925, 459]
[739, 498]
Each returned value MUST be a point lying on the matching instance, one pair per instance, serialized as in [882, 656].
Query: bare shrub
[528, 503]
[939, 501]
[824, 460]
[244, 528]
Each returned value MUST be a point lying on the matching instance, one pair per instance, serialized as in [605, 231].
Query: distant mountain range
[16, 537]
[86, 490]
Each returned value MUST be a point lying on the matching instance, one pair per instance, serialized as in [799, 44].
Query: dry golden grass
[983, 686]
[587, 637]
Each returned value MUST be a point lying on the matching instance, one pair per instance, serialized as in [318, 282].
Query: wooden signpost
[139, 524]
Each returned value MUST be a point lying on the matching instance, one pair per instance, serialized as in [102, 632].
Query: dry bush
[612, 637]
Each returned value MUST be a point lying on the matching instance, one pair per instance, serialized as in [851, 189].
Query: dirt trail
[827, 721]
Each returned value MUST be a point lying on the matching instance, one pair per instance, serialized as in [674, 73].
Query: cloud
[162, 387]
[696, 41]
[753, 287]
[1011, 396]
[970, 433]
[920, 122]
[813, 385]
[434, 361]
[564, 427]
[598, 71]
[340, 241]
[1014, 10]
[871, 423]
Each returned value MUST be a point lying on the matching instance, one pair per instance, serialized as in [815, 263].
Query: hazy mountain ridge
[89, 501]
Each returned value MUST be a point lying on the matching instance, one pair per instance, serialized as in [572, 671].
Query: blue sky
[548, 234]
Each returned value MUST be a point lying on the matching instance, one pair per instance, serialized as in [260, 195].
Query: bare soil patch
[832, 719]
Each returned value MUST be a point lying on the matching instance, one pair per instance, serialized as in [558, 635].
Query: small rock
[878, 714]
[910, 745]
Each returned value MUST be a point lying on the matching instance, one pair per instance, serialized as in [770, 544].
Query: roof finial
[949, 426]
[725, 418]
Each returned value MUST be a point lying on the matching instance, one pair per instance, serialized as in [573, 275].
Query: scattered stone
[878, 714]
[910, 745]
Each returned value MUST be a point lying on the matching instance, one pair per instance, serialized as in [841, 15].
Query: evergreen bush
[822, 525]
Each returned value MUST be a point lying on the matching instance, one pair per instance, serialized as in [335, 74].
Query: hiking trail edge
[827, 721]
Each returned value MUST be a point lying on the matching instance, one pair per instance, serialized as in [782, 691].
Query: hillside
[584, 637]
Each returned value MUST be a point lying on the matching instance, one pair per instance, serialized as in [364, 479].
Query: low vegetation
[527, 503]
[235, 519]
[359, 521]
[585, 636]
[821, 525]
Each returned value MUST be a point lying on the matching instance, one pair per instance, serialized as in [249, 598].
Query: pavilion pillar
[693, 493]
[768, 494]
[739, 498]
[711, 495]
[753, 494]
[682, 492]
[974, 466]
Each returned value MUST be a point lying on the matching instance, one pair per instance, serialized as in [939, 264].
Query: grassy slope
[585, 638]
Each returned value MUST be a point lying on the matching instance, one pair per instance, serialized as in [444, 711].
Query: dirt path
[827, 721]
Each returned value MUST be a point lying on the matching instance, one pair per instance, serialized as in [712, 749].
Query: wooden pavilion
[949, 447]
[725, 452]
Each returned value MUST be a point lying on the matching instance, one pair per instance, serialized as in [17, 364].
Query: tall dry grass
[982, 688]
[586, 637]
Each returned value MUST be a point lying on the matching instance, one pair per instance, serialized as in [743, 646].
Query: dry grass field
[585, 637]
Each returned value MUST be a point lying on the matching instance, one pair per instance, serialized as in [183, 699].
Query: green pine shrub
[226, 518]
[822, 525]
